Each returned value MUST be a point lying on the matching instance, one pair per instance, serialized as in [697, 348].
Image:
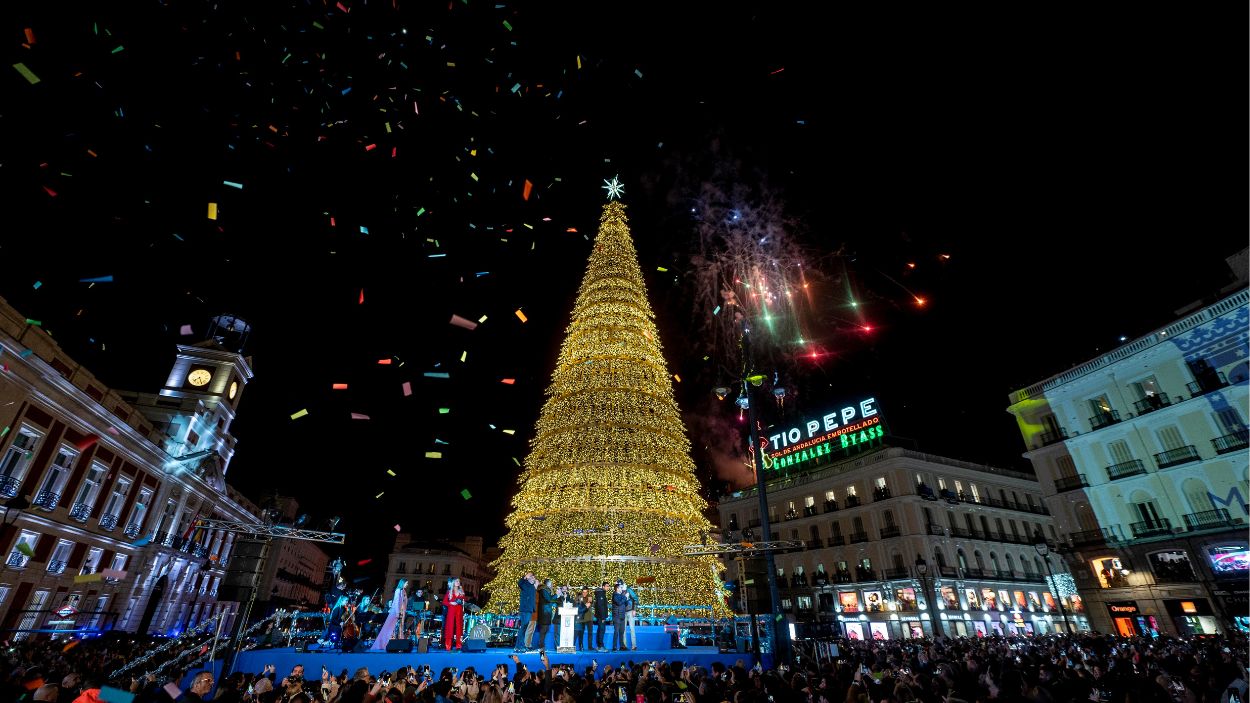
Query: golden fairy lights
[608, 488]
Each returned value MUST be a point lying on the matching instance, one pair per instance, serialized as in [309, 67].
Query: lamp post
[1043, 549]
[922, 571]
[781, 644]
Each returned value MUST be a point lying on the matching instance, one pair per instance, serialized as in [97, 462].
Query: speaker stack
[243, 573]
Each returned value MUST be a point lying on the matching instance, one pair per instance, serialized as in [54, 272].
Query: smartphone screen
[620, 694]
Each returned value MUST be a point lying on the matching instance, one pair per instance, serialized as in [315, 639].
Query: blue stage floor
[337, 662]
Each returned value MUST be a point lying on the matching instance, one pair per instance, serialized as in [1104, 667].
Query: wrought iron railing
[1104, 418]
[897, 572]
[9, 486]
[1207, 519]
[1175, 457]
[889, 531]
[1207, 383]
[1125, 469]
[1070, 483]
[46, 500]
[1052, 436]
[1231, 442]
[56, 566]
[108, 523]
[80, 512]
[1151, 528]
[17, 560]
[132, 530]
[1152, 403]
[1102, 535]
[857, 537]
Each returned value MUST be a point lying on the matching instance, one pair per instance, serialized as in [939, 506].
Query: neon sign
[842, 429]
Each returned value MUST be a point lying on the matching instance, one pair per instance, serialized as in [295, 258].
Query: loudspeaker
[243, 574]
[311, 645]
[423, 645]
[401, 645]
[473, 646]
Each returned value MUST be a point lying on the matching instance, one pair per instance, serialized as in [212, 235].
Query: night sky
[1083, 172]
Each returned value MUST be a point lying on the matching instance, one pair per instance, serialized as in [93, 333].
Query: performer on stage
[548, 600]
[453, 615]
[351, 631]
[525, 619]
[399, 607]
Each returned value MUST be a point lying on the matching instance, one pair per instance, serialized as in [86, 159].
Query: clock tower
[199, 400]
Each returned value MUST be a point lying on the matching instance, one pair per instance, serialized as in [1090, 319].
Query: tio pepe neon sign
[854, 424]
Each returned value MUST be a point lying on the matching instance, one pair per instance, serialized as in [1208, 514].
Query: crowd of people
[1047, 669]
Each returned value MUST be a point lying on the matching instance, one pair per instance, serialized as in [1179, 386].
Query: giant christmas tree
[608, 489]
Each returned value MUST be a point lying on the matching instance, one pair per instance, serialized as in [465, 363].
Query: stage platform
[483, 662]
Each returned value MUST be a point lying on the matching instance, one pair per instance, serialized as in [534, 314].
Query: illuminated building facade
[864, 520]
[1142, 455]
[431, 562]
[109, 484]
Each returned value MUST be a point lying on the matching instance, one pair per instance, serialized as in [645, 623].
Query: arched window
[985, 526]
[939, 557]
[994, 561]
[977, 556]
[888, 517]
[963, 559]
[1197, 494]
[1011, 564]
[858, 524]
[1037, 563]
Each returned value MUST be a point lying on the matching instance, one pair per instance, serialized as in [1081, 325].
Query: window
[1145, 388]
[959, 488]
[994, 561]
[1229, 420]
[888, 517]
[18, 455]
[850, 491]
[941, 484]
[835, 530]
[962, 558]
[928, 516]
[880, 482]
[1171, 567]
[16, 558]
[1198, 495]
[116, 499]
[830, 495]
[28, 622]
[1120, 453]
[92, 563]
[119, 562]
[1170, 438]
[972, 488]
[55, 480]
[1065, 467]
[809, 501]
[1051, 424]
[89, 491]
[60, 555]
[919, 480]
[1100, 406]
[1011, 564]
[1148, 512]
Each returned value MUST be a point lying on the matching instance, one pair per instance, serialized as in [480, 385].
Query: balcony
[889, 531]
[1206, 383]
[1005, 504]
[1151, 403]
[1125, 469]
[17, 560]
[858, 537]
[974, 573]
[831, 506]
[862, 575]
[809, 510]
[881, 493]
[1207, 519]
[791, 514]
[835, 541]
[200, 551]
[1056, 435]
[852, 501]
[80, 512]
[9, 486]
[108, 523]
[937, 530]
[1231, 442]
[46, 500]
[898, 572]
[1093, 538]
[1151, 528]
[948, 495]
[1070, 483]
[56, 566]
[1103, 419]
[842, 577]
[1178, 456]
[925, 492]
[166, 540]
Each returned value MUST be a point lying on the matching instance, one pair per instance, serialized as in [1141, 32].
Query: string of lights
[608, 489]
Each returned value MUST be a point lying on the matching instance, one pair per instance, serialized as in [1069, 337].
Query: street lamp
[922, 571]
[1043, 549]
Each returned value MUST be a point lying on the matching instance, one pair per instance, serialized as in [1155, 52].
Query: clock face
[234, 389]
[199, 377]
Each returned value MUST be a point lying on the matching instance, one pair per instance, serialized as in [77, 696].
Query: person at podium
[548, 601]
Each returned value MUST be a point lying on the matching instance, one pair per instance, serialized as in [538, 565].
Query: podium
[568, 616]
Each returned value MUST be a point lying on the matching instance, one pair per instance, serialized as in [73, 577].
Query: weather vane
[614, 187]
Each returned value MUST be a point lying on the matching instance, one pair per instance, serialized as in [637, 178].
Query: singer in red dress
[453, 615]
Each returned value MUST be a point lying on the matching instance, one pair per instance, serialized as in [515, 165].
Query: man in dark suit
[528, 587]
[620, 606]
[603, 611]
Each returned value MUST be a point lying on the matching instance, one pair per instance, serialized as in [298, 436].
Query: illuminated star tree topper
[614, 187]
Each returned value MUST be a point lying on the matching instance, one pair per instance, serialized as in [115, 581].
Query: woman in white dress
[395, 619]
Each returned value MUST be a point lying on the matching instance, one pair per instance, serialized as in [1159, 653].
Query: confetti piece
[359, 416]
[108, 694]
[436, 374]
[398, 528]
[232, 184]
[362, 296]
[85, 578]
[462, 322]
[38, 285]
[26, 73]
[444, 411]
[507, 26]
[661, 269]
[116, 574]
[24, 548]
[508, 381]
[186, 330]
[299, 414]
[338, 387]
[509, 431]
[525, 192]
[30, 35]
[97, 279]
[379, 495]
[389, 472]
[522, 316]
[515, 461]
[363, 562]
[36, 323]
[678, 377]
[579, 62]
[26, 353]
[49, 191]
[384, 362]
[473, 176]
[212, 211]
[481, 319]
[407, 386]
[463, 356]
[87, 442]
[638, 73]
[142, 541]
[118, 50]
[433, 455]
[464, 493]
[173, 690]
[4, 431]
